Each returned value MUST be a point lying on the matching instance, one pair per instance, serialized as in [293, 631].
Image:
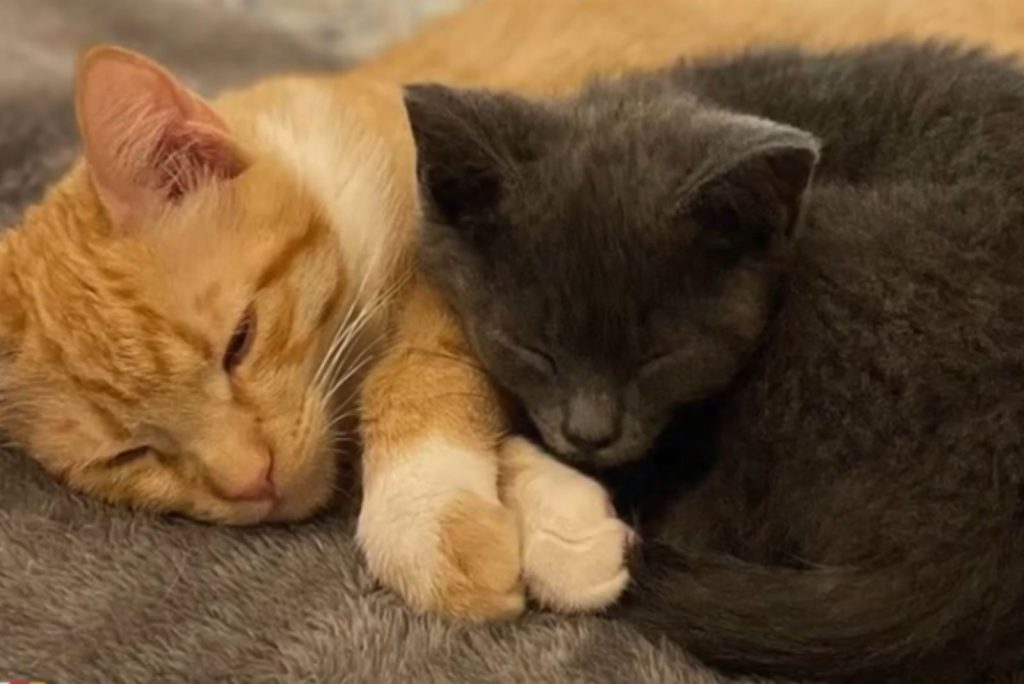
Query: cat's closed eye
[535, 358]
[241, 340]
[128, 456]
[657, 360]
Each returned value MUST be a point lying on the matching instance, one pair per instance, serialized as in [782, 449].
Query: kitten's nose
[256, 487]
[592, 421]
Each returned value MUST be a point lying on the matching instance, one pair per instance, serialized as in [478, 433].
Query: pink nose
[259, 488]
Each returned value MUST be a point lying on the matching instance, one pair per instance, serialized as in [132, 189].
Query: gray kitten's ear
[758, 198]
[467, 143]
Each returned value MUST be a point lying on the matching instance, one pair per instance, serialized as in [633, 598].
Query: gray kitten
[836, 374]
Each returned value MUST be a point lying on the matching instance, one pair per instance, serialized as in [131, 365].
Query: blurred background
[211, 44]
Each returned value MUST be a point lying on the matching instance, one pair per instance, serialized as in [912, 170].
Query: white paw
[574, 548]
[431, 528]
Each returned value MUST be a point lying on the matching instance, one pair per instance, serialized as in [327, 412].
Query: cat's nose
[592, 422]
[258, 486]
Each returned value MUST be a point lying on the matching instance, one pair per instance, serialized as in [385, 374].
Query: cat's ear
[468, 141]
[758, 198]
[147, 138]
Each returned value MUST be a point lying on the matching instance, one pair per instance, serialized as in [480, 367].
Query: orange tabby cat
[186, 315]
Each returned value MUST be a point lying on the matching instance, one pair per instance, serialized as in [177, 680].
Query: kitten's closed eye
[241, 340]
[656, 359]
[535, 358]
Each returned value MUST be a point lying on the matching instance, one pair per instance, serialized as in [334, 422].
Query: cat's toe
[577, 570]
[574, 548]
[482, 580]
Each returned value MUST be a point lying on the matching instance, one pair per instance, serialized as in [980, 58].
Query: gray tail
[833, 623]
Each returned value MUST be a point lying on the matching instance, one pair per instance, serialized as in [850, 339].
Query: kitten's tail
[829, 623]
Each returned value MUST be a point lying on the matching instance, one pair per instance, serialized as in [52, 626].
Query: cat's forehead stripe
[110, 421]
[193, 338]
[298, 350]
[94, 386]
[280, 331]
[316, 230]
[330, 304]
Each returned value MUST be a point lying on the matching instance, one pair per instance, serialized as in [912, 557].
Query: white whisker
[340, 330]
[347, 344]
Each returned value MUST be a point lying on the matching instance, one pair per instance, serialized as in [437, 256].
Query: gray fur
[93, 594]
[90, 593]
[832, 411]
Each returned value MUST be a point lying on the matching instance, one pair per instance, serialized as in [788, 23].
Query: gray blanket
[94, 594]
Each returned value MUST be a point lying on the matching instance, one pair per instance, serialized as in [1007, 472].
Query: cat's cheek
[304, 496]
[548, 421]
[158, 489]
[225, 513]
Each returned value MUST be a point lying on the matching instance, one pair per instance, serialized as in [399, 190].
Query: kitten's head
[167, 310]
[611, 256]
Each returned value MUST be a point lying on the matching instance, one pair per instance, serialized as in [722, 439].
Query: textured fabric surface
[343, 27]
[94, 594]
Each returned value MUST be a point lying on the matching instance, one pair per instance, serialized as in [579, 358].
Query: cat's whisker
[345, 441]
[366, 358]
[339, 332]
[361, 321]
[346, 335]
[340, 420]
[345, 364]
[346, 412]
[349, 329]
[345, 346]
[335, 345]
[345, 407]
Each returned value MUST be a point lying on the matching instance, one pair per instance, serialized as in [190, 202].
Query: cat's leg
[432, 526]
[574, 547]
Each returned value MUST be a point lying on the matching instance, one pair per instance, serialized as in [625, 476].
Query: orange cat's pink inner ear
[148, 140]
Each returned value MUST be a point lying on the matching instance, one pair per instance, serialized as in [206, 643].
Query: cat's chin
[285, 510]
[612, 456]
[296, 508]
[304, 503]
[247, 514]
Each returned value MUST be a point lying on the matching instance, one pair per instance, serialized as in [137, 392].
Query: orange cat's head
[170, 312]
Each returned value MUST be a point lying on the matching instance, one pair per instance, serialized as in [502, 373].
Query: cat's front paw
[432, 528]
[574, 548]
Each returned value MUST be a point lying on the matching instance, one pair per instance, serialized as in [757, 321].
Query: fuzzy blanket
[94, 594]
